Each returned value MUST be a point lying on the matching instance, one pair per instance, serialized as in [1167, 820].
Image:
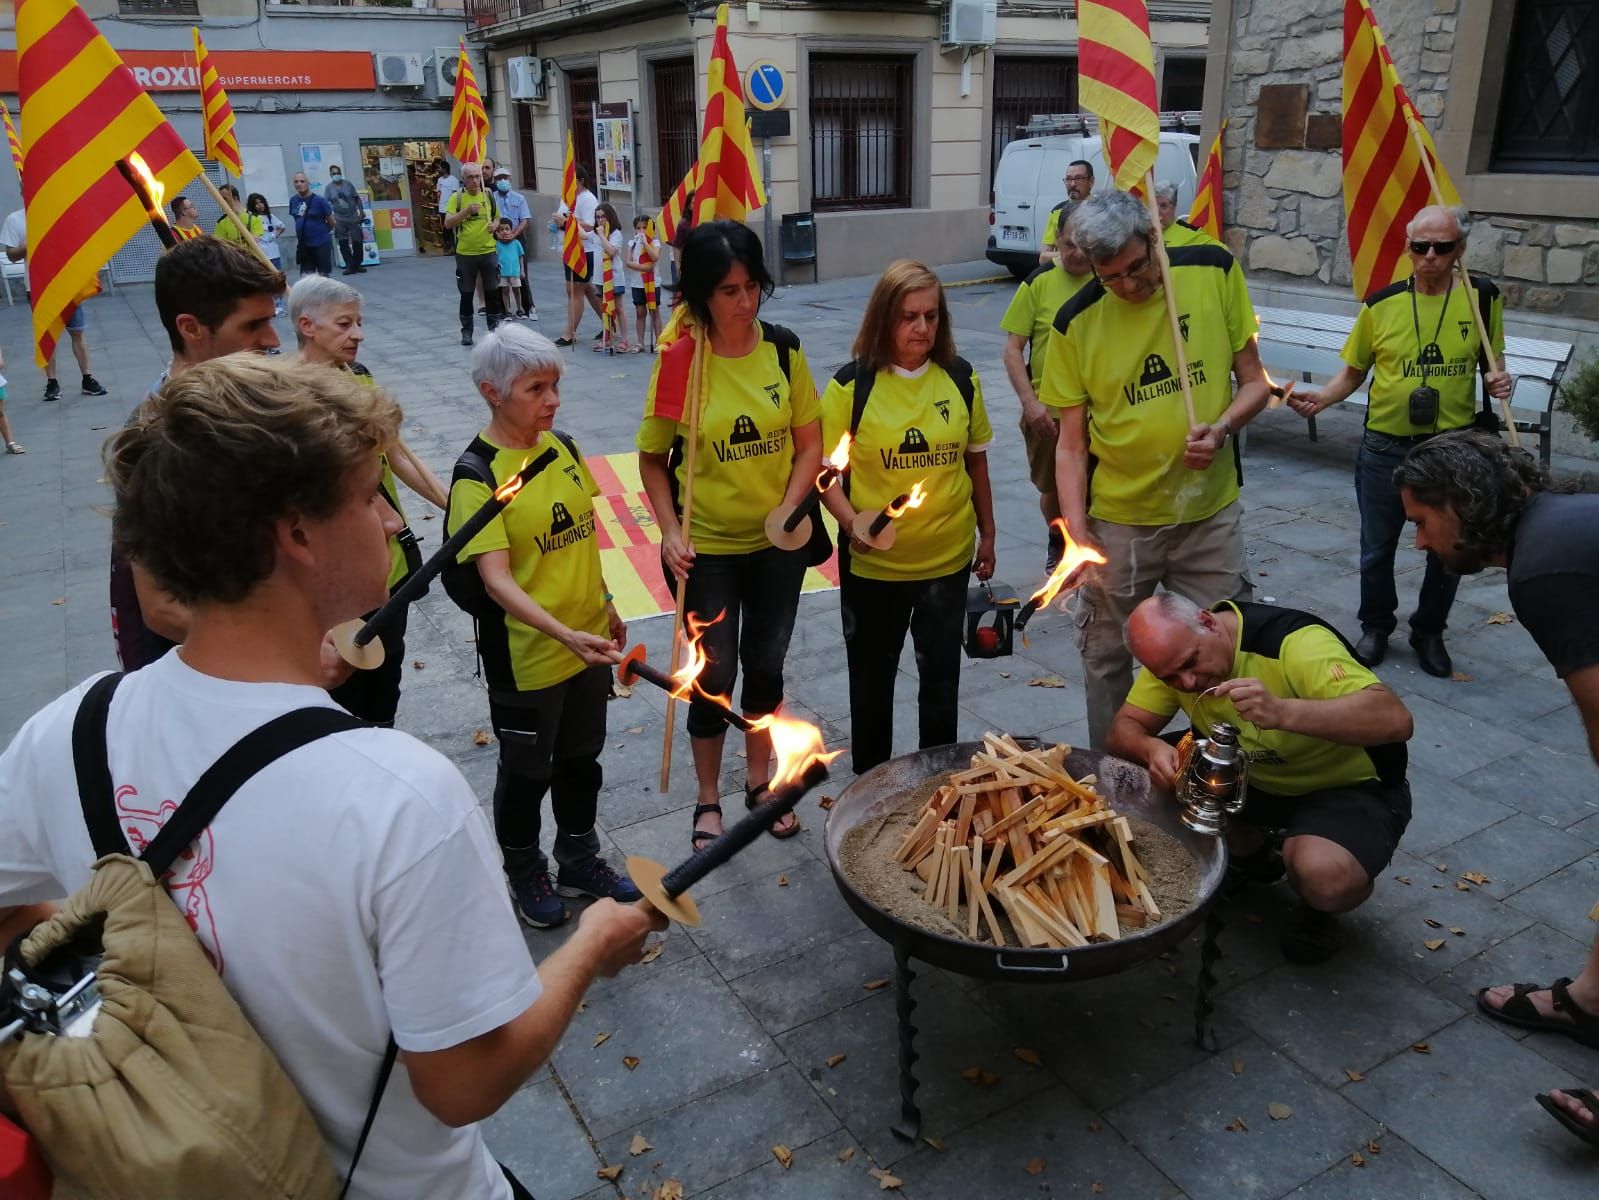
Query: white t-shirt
[597, 262]
[271, 227]
[348, 889]
[587, 203]
[635, 279]
[447, 186]
[15, 233]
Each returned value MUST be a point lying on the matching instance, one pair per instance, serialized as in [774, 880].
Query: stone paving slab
[734, 1023]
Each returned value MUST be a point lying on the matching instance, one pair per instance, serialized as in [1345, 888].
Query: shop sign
[240, 70]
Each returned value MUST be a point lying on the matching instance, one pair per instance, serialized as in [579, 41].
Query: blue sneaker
[598, 882]
[536, 901]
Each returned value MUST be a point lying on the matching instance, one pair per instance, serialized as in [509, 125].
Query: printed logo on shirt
[564, 529]
[571, 473]
[1268, 756]
[1465, 330]
[1432, 358]
[747, 441]
[1159, 380]
[185, 881]
[774, 393]
[943, 409]
[1432, 355]
[560, 518]
[1182, 323]
[916, 453]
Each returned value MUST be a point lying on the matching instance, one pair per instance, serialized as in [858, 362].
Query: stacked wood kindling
[1018, 829]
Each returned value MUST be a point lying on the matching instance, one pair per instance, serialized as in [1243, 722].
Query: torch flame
[1072, 557]
[155, 191]
[795, 745]
[694, 630]
[507, 491]
[839, 459]
[914, 500]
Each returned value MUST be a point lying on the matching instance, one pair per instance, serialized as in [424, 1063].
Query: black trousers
[375, 695]
[350, 247]
[550, 741]
[876, 615]
[469, 270]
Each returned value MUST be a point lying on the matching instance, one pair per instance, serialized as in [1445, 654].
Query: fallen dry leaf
[1431, 924]
[63, 600]
[1404, 879]
[1441, 867]
[638, 1145]
[834, 1059]
[1421, 1047]
[1457, 931]
[417, 664]
[635, 729]
[1356, 1160]
[610, 1173]
[1004, 674]
[1035, 1166]
[1236, 1125]
[1094, 1127]
[1373, 1148]
[782, 881]
[1459, 886]
[1278, 1112]
[652, 952]
[1354, 1076]
[935, 1143]
[480, 737]
[825, 802]
[1501, 618]
[1476, 877]
[621, 691]
[1047, 681]
[875, 985]
[847, 1153]
[672, 1189]
[1097, 1188]
[630, 1062]
[601, 1038]
[978, 1077]
[1238, 1066]
[885, 1180]
[1434, 943]
[1028, 1056]
[1462, 677]
[783, 1155]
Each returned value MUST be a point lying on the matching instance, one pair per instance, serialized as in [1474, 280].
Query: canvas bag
[174, 1094]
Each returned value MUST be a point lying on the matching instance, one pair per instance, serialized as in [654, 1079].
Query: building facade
[311, 85]
[892, 131]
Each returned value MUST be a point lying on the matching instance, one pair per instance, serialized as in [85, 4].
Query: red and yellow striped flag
[608, 298]
[469, 121]
[675, 209]
[1205, 215]
[12, 141]
[650, 304]
[729, 181]
[83, 111]
[1116, 81]
[221, 143]
[572, 253]
[1385, 183]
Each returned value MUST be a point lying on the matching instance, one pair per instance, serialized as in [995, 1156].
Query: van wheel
[1019, 272]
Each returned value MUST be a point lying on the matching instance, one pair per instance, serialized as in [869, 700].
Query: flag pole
[1158, 247]
[238, 222]
[1471, 292]
[696, 384]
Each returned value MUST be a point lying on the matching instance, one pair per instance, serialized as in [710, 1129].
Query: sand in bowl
[867, 857]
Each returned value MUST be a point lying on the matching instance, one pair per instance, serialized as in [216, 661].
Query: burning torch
[150, 192]
[877, 529]
[784, 524]
[1072, 556]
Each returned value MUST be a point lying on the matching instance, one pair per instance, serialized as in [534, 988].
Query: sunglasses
[1438, 248]
[1138, 268]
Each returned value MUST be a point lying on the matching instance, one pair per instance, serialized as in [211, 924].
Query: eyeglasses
[1137, 268]
[1438, 248]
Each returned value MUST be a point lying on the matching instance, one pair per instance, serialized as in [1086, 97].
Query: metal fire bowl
[1124, 784]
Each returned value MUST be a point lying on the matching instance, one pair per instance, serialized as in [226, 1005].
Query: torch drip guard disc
[625, 674]
[647, 874]
[782, 538]
[861, 530]
[363, 658]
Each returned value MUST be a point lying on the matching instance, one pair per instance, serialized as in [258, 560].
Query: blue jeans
[1382, 522]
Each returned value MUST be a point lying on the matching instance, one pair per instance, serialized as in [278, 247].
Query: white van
[1028, 185]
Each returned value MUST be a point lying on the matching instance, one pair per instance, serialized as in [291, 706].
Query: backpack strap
[960, 372]
[566, 440]
[384, 1071]
[785, 341]
[94, 771]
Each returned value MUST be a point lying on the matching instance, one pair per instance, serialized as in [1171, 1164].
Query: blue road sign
[764, 85]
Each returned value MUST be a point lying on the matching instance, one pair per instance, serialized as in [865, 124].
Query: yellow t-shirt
[746, 452]
[1181, 233]
[1032, 311]
[475, 235]
[1116, 357]
[228, 230]
[549, 531]
[1052, 222]
[1385, 337]
[399, 569]
[914, 428]
[1297, 657]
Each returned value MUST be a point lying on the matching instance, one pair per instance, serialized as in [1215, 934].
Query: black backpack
[959, 371]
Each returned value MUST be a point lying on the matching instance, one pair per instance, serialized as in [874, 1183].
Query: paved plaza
[763, 1028]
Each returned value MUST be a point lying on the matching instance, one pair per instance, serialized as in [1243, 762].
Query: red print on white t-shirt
[185, 882]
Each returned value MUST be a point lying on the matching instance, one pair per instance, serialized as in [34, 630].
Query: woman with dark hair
[915, 411]
[610, 247]
[759, 445]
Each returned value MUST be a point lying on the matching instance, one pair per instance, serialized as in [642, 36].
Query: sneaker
[563, 341]
[52, 389]
[536, 901]
[15, 448]
[466, 339]
[532, 314]
[92, 386]
[597, 881]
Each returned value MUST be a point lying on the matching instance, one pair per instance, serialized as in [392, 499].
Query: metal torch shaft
[880, 522]
[428, 571]
[1026, 613]
[665, 682]
[813, 499]
[742, 832]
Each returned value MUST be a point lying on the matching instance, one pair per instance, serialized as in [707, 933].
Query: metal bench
[1307, 345]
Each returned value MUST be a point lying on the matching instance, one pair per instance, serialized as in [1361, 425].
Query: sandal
[1520, 1011]
[700, 837]
[756, 796]
[621, 347]
[15, 448]
[1589, 1132]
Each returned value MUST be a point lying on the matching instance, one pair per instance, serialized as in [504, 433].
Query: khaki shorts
[1041, 455]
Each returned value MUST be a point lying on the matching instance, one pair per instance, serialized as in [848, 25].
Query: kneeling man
[1326, 743]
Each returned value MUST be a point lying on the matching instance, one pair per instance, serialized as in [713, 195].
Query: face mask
[335, 176]
[502, 186]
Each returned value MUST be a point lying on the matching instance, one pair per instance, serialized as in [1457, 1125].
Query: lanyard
[1415, 318]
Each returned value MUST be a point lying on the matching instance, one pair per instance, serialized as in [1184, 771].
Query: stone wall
[1283, 205]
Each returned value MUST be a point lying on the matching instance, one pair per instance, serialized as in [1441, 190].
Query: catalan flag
[608, 313]
[469, 121]
[729, 181]
[83, 112]
[1385, 183]
[221, 143]
[1205, 215]
[12, 141]
[648, 256]
[675, 209]
[1116, 80]
[572, 253]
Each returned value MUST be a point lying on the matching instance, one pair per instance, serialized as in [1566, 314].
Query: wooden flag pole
[1158, 248]
[1471, 292]
[239, 221]
[697, 379]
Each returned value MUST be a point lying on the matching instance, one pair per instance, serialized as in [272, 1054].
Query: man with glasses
[1421, 341]
[1163, 506]
[1079, 183]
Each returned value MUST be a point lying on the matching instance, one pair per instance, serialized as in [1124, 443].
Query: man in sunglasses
[1163, 507]
[1419, 341]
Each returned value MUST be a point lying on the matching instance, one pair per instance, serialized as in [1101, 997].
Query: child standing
[12, 445]
[643, 252]
[271, 227]
[510, 251]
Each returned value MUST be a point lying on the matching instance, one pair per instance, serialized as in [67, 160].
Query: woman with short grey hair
[547, 627]
[313, 296]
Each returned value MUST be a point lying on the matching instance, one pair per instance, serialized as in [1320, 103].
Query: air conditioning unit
[525, 79]
[447, 60]
[395, 69]
[967, 23]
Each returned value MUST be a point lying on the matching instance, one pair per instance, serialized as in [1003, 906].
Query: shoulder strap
[93, 771]
[389, 1054]
[784, 341]
[960, 371]
[566, 440]
[863, 390]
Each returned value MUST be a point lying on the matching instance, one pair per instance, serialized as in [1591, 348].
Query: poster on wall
[316, 158]
[613, 145]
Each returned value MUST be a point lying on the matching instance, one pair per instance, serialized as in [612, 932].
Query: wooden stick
[1021, 920]
[1471, 292]
[697, 377]
[239, 222]
[959, 864]
[988, 913]
[1104, 901]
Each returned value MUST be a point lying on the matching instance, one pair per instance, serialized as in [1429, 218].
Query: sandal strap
[701, 809]
[1581, 1018]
